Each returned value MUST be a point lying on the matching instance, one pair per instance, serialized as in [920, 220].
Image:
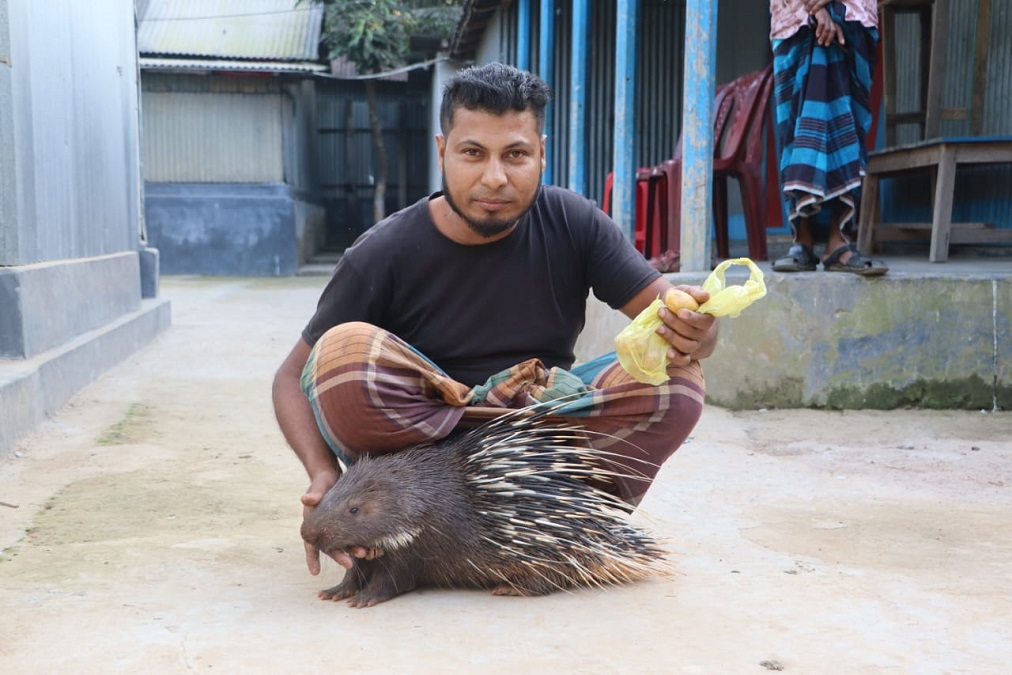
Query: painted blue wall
[226, 229]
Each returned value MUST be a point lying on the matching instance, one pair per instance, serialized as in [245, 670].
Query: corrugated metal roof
[275, 30]
[471, 27]
[149, 63]
[343, 69]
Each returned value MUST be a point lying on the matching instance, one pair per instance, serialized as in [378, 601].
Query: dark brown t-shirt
[476, 310]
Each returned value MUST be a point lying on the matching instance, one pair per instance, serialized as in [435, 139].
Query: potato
[675, 299]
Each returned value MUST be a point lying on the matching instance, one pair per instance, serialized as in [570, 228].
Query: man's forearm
[298, 425]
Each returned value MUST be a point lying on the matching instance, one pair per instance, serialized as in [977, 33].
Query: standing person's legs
[791, 57]
[822, 95]
[853, 79]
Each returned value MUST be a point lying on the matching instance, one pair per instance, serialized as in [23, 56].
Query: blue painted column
[524, 34]
[697, 133]
[578, 98]
[546, 69]
[623, 195]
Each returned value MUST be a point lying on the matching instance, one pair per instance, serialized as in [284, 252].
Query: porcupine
[518, 506]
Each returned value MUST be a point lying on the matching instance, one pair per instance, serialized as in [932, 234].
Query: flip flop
[799, 258]
[855, 264]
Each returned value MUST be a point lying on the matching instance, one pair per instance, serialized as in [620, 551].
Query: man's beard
[490, 226]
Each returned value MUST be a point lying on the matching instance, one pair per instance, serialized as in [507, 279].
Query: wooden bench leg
[868, 215]
[941, 220]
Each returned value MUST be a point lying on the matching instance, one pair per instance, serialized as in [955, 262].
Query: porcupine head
[378, 503]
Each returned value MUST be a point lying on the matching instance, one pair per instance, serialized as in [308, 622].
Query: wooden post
[697, 134]
[578, 99]
[623, 201]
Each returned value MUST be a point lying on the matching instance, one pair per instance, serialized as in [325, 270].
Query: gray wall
[8, 176]
[73, 269]
[68, 130]
[208, 129]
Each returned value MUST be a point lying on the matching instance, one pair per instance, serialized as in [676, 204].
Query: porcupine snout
[313, 526]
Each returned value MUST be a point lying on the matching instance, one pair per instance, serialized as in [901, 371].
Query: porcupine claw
[335, 593]
[355, 579]
[343, 590]
[514, 591]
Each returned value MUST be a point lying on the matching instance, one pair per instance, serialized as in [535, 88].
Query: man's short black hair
[496, 88]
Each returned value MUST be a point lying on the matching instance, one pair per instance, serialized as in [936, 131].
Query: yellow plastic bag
[731, 300]
[644, 354]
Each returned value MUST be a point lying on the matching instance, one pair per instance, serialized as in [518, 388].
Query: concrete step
[33, 389]
[321, 264]
[924, 335]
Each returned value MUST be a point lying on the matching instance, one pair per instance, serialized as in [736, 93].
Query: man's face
[492, 167]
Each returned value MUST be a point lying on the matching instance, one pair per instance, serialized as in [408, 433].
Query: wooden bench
[942, 157]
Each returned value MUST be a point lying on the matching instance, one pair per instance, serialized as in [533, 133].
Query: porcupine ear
[371, 487]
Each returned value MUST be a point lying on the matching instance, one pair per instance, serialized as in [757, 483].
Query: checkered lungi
[373, 393]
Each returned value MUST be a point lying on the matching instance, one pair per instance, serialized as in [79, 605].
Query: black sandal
[855, 264]
[799, 258]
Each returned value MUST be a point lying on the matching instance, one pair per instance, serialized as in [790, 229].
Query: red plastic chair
[658, 193]
[672, 171]
[741, 109]
[650, 237]
[742, 158]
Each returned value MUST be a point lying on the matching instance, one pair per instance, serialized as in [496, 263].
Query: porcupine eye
[353, 510]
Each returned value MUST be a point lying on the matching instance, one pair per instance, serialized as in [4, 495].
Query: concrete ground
[152, 526]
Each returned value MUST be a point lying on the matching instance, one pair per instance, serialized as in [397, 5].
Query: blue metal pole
[578, 99]
[546, 68]
[697, 133]
[624, 186]
[524, 34]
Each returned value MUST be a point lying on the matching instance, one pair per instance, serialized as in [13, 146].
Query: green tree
[375, 35]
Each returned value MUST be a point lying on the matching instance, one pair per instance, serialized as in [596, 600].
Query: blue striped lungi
[823, 116]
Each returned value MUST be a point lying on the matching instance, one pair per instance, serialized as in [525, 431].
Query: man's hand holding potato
[692, 335]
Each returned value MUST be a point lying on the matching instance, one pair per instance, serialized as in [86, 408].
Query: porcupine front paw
[354, 581]
[384, 583]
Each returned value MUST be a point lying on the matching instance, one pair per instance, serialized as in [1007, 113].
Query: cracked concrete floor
[152, 526]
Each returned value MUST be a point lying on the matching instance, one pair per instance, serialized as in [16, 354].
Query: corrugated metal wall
[983, 194]
[301, 144]
[998, 97]
[347, 162]
[660, 52]
[660, 57]
[212, 129]
[73, 93]
[962, 32]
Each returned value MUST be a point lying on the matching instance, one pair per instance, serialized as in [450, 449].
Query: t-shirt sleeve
[616, 270]
[348, 296]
